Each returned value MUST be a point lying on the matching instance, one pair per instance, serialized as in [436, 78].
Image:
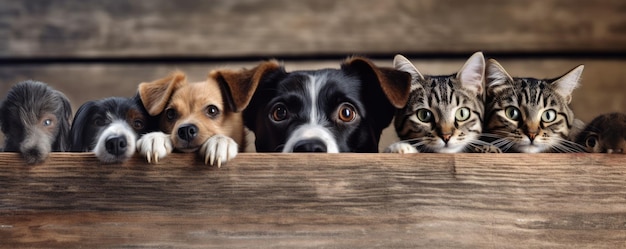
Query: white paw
[154, 146]
[218, 149]
[401, 147]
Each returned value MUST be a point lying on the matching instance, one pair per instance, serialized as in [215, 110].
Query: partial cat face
[530, 115]
[444, 113]
[605, 134]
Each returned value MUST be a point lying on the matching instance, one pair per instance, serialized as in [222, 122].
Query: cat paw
[154, 146]
[487, 149]
[218, 149]
[401, 148]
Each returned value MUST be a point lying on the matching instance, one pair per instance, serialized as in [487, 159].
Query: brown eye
[346, 113]
[47, 122]
[212, 111]
[138, 124]
[170, 114]
[279, 112]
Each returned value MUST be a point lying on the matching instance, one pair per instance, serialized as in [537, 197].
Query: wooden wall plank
[192, 28]
[317, 200]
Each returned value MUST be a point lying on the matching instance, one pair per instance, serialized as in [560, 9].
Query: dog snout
[310, 145]
[34, 155]
[116, 145]
[188, 132]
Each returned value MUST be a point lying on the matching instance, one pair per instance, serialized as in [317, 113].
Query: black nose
[310, 145]
[187, 132]
[116, 145]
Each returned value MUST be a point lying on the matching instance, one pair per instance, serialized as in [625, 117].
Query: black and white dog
[110, 128]
[35, 120]
[327, 110]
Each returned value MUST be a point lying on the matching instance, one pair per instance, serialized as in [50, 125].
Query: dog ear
[155, 95]
[239, 86]
[395, 84]
[62, 142]
[80, 123]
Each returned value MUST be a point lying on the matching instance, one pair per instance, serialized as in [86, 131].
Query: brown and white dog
[202, 116]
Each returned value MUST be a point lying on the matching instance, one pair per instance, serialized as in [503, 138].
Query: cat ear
[403, 64]
[568, 82]
[497, 77]
[472, 74]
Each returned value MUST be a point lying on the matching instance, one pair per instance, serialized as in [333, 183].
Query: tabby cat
[444, 113]
[605, 134]
[530, 115]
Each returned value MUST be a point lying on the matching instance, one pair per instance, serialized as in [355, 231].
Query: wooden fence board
[192, 28]
[317, 200]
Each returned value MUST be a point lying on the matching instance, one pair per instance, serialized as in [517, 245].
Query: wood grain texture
[192, 28]
[317, 200]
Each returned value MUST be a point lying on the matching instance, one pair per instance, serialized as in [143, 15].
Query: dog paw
[401, 148]
[218, 149]
[154, 146]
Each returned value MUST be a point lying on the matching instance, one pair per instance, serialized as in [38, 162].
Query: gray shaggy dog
[35, 120]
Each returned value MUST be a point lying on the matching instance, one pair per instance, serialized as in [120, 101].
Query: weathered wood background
[317, 201]
[94, 49]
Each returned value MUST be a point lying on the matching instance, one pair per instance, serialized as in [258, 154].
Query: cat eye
[591, 141]
[462, 114]
[512, 113]
[170, 114]
[138, 124]
[548, 116]
[279, 112]
[47, 122]
[212, 111]
[424, 115]
[346, 113]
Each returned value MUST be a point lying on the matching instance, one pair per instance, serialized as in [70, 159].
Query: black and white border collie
[327, 110]
[110, 128]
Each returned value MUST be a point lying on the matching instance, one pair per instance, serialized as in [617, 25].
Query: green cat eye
[462, 114]
[424, 115]
[548, 116]
[512, 113]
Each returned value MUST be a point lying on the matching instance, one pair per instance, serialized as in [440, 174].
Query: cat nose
[446, 137]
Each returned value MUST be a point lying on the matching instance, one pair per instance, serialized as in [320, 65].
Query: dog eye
[170, 114]
[279, 112]
[99, 122]
[47, 122]
[138, 124]
[347, 113]
[212, 111]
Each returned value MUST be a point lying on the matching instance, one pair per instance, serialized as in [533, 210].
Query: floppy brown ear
[239, 85]
[396, 84]
[155, 95]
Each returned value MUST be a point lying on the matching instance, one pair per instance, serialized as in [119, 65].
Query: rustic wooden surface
[317, 200]
[191, 28]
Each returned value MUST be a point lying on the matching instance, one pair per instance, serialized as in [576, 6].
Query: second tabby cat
[530, 115]
[444, 113]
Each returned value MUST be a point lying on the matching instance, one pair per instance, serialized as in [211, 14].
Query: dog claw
[148, 158]
[156, 157]
[206, 159]
[219, 162]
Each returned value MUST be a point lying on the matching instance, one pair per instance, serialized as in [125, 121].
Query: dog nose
[116, 145]
[310, 145]
[187, 132]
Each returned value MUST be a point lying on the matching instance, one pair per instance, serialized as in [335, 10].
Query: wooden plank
[317, 200]
[191, 28]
